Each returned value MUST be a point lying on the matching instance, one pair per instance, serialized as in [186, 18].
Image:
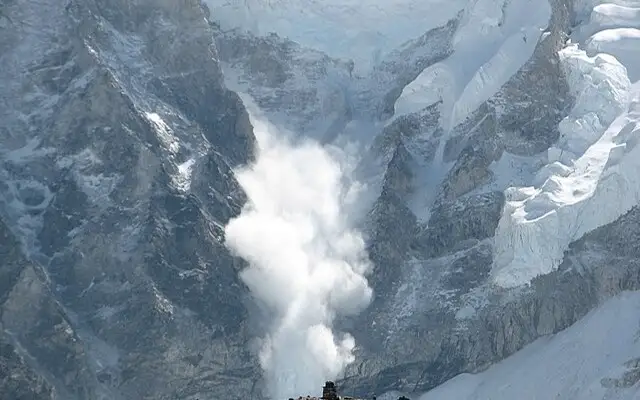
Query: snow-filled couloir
[591, 175]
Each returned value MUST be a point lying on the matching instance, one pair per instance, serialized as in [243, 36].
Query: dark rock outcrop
[118, 188]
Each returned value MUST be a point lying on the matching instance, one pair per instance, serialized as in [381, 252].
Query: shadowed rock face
[117, 144]
[117, 150]
[17, 377]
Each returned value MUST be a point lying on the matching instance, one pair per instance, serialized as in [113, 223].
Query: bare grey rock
[460, 223]
[117, 189]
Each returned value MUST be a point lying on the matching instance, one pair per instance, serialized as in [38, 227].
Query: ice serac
[623, 43]
[590, 175]
[119, 143]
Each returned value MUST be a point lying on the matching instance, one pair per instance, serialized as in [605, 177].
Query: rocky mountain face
[120, 128]
[118, 138]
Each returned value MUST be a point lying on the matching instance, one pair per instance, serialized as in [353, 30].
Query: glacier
[590, 177]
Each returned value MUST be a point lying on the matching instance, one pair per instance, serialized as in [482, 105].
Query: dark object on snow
[329, 391]
[403, 398]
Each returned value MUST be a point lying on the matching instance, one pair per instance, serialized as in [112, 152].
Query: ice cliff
[590, 176]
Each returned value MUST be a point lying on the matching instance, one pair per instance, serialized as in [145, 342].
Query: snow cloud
[306, 264]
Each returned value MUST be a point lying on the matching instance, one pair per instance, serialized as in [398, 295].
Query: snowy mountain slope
[597, 358]
[116, 141]
[600, 264]
[495, 39]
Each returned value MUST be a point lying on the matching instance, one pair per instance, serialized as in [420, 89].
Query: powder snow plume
[306, 265]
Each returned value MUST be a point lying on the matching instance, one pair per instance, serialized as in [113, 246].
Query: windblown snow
[596, 358]
[592, 175]
[306, 264]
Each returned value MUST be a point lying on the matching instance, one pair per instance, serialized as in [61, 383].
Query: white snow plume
[306, 264]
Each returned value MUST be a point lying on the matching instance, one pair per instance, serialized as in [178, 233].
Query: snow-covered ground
[592, 174]
[596, 358]
[361, 30]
